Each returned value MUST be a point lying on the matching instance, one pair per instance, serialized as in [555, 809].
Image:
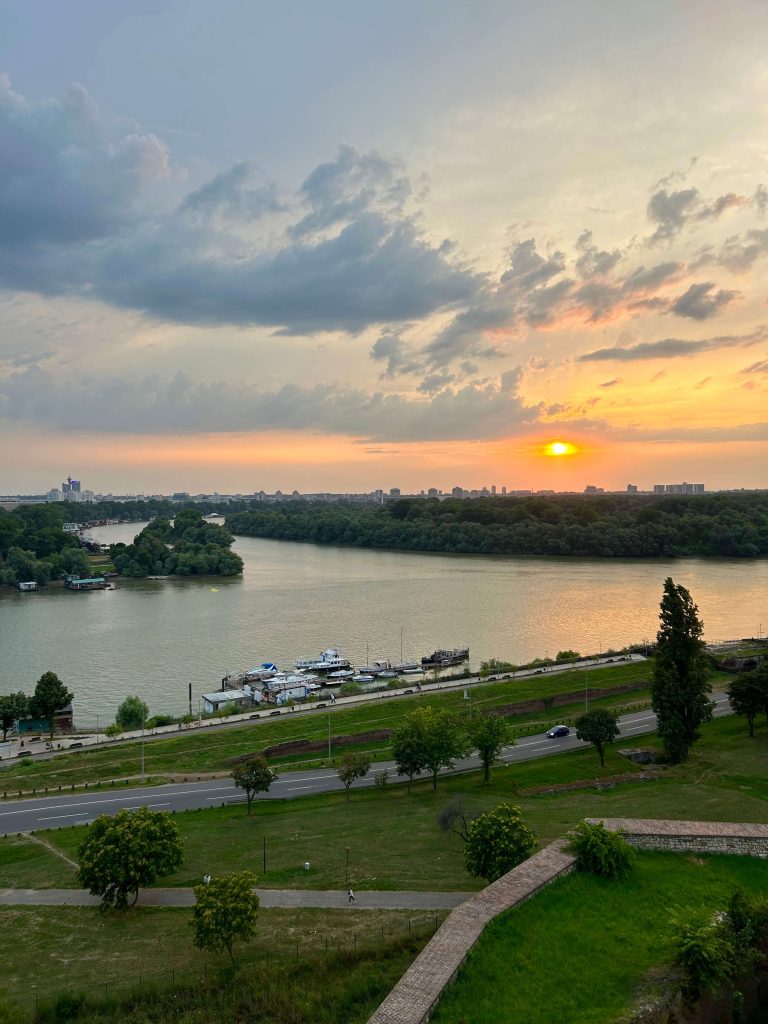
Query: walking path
[331, 898]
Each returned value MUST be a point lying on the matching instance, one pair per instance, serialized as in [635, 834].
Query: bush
[497, 842]
[156, 720]
[112, 730]
[601, 852]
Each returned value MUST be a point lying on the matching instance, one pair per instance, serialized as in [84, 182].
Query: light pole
[97, 728]
[586, 684]
[329, 737]
[142, 747]
[346, 870]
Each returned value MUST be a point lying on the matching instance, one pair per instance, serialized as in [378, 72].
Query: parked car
[558, 730]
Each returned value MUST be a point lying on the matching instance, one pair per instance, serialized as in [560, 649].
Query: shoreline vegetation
[720, 525]
[189, 547]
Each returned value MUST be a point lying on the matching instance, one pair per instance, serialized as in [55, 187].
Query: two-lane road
[61, 811]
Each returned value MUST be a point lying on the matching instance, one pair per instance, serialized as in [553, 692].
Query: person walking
[351, 897]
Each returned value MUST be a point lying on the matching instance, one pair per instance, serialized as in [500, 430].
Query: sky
[250, 245]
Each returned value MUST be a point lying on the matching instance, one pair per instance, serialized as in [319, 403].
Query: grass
[394, 839]
[212, 750]
[106, 954]
[579, 950]
[25, 864]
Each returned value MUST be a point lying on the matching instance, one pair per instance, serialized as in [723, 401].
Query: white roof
[219, 695]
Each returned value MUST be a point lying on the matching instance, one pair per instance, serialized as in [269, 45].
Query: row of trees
[50, 696]
[190, 546]
[608, 526]
[33, 545]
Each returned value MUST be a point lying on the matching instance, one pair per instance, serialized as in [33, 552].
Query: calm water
[153, 638]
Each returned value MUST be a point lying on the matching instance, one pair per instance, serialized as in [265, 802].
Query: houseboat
[442, 658]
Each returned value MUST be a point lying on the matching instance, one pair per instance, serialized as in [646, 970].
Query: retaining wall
[691, 836]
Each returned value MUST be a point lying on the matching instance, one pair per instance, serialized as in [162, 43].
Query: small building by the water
[93, 583]
[213, 702]
[26, 586]
[63, 722]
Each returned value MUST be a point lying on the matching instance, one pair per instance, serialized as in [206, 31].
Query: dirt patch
[607, 782]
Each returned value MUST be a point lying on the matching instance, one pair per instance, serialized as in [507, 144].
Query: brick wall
[691, 836]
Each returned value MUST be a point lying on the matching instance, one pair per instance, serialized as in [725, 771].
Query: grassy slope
[578, 951]
[394, 839]
[84, 950]
[212, 750]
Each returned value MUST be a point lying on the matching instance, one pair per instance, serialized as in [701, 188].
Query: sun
[558, 448]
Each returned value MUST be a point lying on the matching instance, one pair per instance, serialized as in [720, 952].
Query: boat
[407, 667]
[412, 670]
[442, 657]
[389, 674]
[364, 677]
[329, 661]
[344, 673]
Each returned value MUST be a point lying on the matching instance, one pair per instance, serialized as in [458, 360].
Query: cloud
[759, 367]
[398, 354]
[672, 211]
[235, 194]
[701, 302]
[671, 348]
[611, 383]
[183, 406]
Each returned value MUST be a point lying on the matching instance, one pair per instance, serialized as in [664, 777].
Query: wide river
[155, 637]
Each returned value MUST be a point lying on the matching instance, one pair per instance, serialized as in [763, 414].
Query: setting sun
[560, 448]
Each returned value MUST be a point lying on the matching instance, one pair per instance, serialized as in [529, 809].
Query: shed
[212, 702]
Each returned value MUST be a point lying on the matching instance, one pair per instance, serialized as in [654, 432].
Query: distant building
[631, 488]
[394, 492]
[683, 488]
[591, 489]
[432, 492]
[457, 492]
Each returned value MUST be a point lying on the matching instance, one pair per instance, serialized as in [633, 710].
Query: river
[155, 637]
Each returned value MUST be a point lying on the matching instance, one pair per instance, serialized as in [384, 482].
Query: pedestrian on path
[351, 896]
[206, 879]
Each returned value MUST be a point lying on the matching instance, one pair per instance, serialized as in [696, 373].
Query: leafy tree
[429, 740]
[748, 696]
[13, 706]
[50, 696]
[497, 841]
[225, 912]
[490, 733]
[353, 766]
[679, 690]
[598, 727]
[601, 852]
[132, 713]
[254, 776]
[122, 853]
[567, 656]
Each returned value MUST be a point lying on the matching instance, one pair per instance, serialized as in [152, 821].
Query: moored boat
[442, 657]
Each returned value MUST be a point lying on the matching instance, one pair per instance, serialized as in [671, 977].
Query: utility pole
[586, 684]
[329, 736]
[142, 748]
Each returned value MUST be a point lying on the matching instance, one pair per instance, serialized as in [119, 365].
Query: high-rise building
[631, 488]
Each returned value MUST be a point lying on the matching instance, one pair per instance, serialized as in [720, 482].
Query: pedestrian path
[327, 899]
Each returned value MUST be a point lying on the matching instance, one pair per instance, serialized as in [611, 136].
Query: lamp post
[586, 684]
[97, 728]
[329, 737]
[142, 747]
[346, 870]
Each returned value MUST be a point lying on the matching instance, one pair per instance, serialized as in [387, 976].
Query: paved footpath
[329, 898]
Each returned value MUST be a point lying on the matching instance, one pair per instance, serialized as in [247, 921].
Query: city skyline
[422, 242]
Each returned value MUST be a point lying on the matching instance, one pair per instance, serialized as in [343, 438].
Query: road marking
[55, 817]
[112, 800]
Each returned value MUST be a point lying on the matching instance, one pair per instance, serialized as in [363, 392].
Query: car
[24, 753]
[538, 672]
[275, 712]
[558, 730]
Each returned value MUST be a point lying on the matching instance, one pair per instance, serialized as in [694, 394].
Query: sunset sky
[347, 245]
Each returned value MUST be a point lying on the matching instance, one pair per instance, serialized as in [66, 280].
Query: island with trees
[189, 546]
[722, 524]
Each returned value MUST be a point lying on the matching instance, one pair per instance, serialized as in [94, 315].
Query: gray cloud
[397, 353]
[594, 260]
[610, 383]
[236, 194]
[701, 302]
[673, 211]
[671, 348]
[759, 367]
[180, 405]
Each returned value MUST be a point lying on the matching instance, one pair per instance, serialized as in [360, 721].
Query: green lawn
[580, 949]
[83, 950]
[210, 751]
[394, 839]
[25, 864]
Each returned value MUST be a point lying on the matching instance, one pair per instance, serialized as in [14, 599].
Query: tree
[598, 727]
[601, 852]
[490, 733]
[50, 696]
[13, 706]
[122, 853]
[748, 696]
[132, 713]
[225, 912]
[429, 740]
[497, 841]
[254, 776]
[353, 766]
[679, 690]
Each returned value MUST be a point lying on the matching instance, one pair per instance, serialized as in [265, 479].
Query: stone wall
[691, 836]
[415, 995]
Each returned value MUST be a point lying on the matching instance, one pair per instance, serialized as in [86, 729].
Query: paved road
[60, 811]
[331, 898]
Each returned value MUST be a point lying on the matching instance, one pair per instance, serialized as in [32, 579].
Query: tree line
[602, 526]
[190, 546]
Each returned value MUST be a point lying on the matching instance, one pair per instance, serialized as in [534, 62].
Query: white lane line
[217, 799]
[292, 788]
[55, 817]
[112, 800]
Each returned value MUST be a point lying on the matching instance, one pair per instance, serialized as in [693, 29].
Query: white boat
[412, 670]
[329, 661]
[407, 667]
[344, 673]
[364, 677]
[388, 674]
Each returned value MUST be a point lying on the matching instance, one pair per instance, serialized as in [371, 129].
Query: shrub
[497, 842]
[112, 730]
[157, 720]
[601, 852]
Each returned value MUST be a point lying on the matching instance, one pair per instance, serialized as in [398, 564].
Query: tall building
[631, 488]
[683, 488]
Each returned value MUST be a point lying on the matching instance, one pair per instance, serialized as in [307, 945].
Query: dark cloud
[701, 301]
[397, 353]
[610, 383]
[673, 211]
[671, 348]
[593, 260]
[181, 405]
[759, 367]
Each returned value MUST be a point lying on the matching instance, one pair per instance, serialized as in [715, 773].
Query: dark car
[558, 730]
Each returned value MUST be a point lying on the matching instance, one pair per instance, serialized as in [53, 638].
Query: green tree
[601, 852]
[748, 696]
[408, 751]
[679, 690]
[254, 775]
[353, 766]
[429, 740]
[122, 853]
[132, 713]
[497, 841]
[13, 706]
[50, 696]
[225, 912]
[490, 733]
[598, 727]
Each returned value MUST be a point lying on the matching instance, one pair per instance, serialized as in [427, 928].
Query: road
[61, 811]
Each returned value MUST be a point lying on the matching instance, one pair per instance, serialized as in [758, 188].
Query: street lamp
[586, 684]
[346, 871]
[142, 747]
